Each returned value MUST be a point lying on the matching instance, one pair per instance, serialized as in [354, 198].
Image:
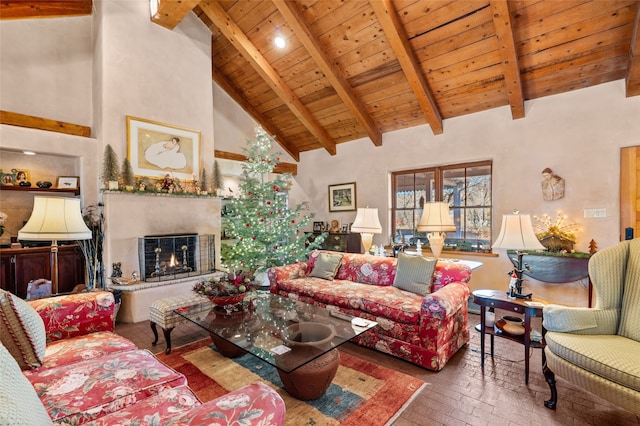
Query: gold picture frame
[342, 197]
[156, 149]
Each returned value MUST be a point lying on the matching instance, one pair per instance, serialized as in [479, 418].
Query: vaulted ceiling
[357, 69]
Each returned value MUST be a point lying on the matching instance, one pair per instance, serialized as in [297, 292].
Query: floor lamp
[436, 220]
[367, 224]
[55, 219]
[516, 233]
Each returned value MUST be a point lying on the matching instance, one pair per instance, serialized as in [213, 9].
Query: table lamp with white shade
[516, 233]
[367, 224]
[55, 219]
[436, 220]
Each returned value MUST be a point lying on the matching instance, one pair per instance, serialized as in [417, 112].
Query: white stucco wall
[95, 71]
[45, 69]
[577, 134]
[152, 73]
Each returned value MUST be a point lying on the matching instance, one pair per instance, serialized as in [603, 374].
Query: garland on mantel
[161, 194]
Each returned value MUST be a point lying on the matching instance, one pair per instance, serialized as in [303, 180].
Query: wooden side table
[498, 299]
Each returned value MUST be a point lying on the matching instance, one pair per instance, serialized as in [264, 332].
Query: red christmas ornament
[253, 238]
[268, 202]
[248, 225]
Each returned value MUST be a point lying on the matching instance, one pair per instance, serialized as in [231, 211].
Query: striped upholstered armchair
[598, 348]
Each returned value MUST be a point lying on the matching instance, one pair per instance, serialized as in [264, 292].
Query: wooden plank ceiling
[357, 69]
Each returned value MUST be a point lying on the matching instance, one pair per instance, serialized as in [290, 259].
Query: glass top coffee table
[297, 338]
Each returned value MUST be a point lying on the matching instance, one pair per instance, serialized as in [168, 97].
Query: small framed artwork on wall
[342, 197]
[68, 182]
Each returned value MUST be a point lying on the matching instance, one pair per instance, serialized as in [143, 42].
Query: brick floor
[462, 393]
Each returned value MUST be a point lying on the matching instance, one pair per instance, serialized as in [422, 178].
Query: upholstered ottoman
[162, 313]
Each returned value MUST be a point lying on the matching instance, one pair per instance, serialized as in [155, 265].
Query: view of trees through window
[467, 190]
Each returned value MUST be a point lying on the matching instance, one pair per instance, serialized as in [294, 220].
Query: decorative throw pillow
[326, 266]
[22, 331]
[19, 403]
[414, 273]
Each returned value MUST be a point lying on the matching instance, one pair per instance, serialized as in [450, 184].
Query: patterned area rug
[361, 393]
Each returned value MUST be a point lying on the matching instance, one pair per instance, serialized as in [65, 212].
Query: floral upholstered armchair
[599, 349]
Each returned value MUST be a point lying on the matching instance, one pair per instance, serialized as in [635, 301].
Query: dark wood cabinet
[346, 242]
[18, 266]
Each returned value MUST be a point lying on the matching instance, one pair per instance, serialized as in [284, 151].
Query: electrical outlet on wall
[595, 212]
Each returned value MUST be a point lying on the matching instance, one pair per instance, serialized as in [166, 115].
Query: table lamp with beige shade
[516, 233]
[367, 224]
[436, 221]
[55, 219]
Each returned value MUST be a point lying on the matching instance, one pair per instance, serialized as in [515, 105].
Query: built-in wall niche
[17, 204]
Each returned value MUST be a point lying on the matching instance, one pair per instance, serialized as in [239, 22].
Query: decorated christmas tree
[268, 232]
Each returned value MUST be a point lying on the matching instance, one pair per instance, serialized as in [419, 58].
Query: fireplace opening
[173, 256]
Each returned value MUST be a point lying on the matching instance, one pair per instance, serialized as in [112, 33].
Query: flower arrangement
[226, 286]
[554, 235]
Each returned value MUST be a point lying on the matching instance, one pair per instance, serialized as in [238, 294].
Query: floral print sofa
[61, 363]
[425, 330]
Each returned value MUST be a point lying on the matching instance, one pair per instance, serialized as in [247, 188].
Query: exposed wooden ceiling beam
[170, 13]
[397, 37]
[222, 81]
[241, 42]
[279, 167]
[289, 10]
[31, 122]
[25, 9]
[507, 47]
[633, 69]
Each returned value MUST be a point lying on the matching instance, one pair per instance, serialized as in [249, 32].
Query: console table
[555, 269]
[498, 299]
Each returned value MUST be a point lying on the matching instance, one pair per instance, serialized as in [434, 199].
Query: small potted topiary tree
[110, 172]
[128, 178]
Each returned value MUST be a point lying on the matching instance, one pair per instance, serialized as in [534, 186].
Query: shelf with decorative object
[553, 267]
[75, 191]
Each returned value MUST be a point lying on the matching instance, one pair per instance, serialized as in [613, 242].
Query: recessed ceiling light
[279, 41]
[28, 153]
